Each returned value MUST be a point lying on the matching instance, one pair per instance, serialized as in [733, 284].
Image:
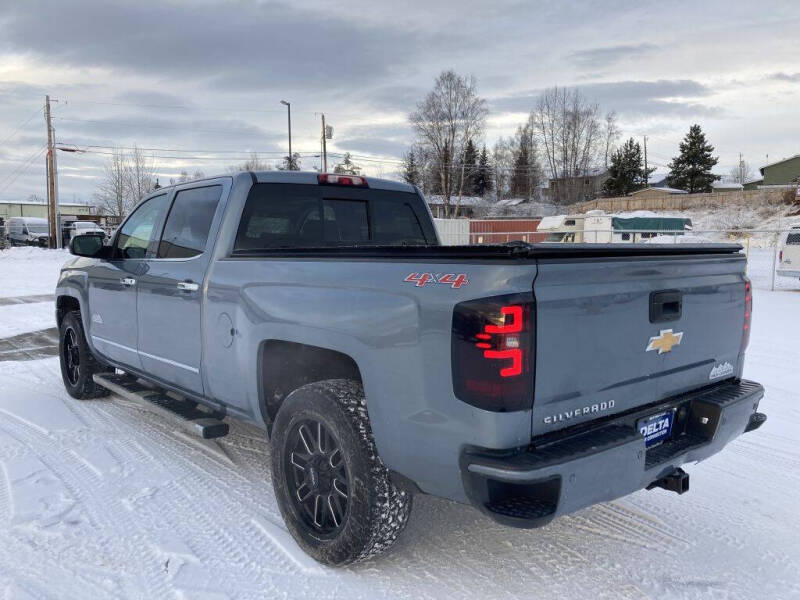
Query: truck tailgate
[617, 333]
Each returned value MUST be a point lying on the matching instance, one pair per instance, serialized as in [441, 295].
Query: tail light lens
[492, 352]
[748, 313]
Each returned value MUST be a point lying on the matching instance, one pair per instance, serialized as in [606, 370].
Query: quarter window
[189, 221]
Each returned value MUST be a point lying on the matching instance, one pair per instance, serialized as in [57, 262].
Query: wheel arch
[284, 366]
[65, 304]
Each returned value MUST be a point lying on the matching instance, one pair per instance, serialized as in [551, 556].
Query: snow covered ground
[102, 499]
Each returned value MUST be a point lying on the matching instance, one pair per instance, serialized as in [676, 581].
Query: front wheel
[78, 365]
[333, 491]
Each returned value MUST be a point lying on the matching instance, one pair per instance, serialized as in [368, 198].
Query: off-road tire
[377, 511]
[80, 385]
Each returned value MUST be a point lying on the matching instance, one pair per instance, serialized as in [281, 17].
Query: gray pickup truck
[530, 380]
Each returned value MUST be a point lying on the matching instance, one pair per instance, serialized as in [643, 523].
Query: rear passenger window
[189, 221]
[395, 223]
[280, 215]
[345, 221]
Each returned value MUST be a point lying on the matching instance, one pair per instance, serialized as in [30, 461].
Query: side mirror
[90, 246]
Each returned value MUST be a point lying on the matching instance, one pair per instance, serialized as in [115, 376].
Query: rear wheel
[333, 491]
[78, 365]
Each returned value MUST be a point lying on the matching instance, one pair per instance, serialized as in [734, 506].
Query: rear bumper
[584, 465]
[788, 272]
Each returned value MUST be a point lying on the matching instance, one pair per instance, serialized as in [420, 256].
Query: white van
[27, 231]
[789, 254]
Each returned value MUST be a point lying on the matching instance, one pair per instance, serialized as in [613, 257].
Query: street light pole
[289, 117]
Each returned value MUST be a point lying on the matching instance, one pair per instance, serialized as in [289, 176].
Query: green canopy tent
[650, 224]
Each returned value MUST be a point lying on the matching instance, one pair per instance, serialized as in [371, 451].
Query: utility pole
[646, 174]
[324, 146]
[289, 117]
[741, 169]
[51, 177]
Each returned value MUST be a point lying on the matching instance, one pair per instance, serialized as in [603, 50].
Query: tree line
[565, 141]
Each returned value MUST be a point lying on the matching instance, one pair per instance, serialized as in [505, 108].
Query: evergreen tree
[483, 182]
[691, 169]
[626, 170]
[411, 169]
[470, 163]
[290, 164]
[347, 167]
[526, 173]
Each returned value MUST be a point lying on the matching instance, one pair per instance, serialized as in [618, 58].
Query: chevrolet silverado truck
[529, 380]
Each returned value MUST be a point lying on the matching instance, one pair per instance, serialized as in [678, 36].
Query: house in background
[468, 204]
[657, 192]
[781, 172]
[579, 188]
[753, 184]
[726, 186]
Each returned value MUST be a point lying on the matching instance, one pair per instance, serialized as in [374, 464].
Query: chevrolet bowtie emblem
[664, 341]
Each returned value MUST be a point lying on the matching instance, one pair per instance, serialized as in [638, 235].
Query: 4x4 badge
[664, 341]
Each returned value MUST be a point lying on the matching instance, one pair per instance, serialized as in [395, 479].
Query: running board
[192, 417]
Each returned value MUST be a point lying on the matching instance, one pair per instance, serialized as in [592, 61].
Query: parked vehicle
[74, 228]
[530, 380]
[28, 231]
[85, 228]
[597, 227]
[789, 254]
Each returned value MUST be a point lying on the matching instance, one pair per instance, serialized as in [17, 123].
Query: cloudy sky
[199, 84]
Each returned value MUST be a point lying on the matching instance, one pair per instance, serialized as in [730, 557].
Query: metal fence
[761, 246]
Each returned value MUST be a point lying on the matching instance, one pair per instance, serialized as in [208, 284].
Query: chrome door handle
[188, 286]
[128, 281]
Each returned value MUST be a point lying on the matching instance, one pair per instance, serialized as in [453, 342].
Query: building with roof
[28, 208]
[467, 205]
[657, 192]
[726, 186]
[782, 172]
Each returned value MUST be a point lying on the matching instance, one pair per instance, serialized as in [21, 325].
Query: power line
[187, 107]
[143, 126]
[10, 179]
[195, 150]
[21, 125]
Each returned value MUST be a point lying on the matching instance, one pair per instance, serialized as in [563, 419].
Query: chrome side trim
[97, 338]
[140, 353]
[169, 362]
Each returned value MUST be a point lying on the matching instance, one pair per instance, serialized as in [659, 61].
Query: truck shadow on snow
[30, 346]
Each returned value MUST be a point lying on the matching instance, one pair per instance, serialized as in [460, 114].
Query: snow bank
[28, 270]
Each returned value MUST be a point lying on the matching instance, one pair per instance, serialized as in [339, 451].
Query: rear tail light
[748, 313]
[780, 256]
[492, 352]
[349, 180]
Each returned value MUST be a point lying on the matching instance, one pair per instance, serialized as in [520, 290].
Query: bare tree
[112, 195]
[503, 159]
[141, 175]
[742, 173]
[254, 163]
[611, 134]
[450, 114]
[569, 134]
[184, 177]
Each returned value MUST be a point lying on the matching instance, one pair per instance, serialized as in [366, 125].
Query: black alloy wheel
[317, 476]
